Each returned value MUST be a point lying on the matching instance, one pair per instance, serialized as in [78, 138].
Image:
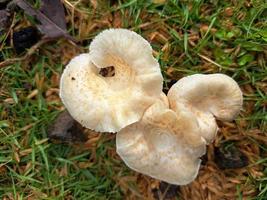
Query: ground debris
[25, 38]
[3, 4]
[229, 158]
[51, 18]
[66, 130]
[165, 191]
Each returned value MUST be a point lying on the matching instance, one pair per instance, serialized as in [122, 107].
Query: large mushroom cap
[207, 96]
[163, 145]
[109, 103]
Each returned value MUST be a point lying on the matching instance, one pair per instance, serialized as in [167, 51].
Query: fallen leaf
[50, 16]
[3, 4]
[66, 129]
[25, 38]
[165, 191]
[54, 10]
[230, 158]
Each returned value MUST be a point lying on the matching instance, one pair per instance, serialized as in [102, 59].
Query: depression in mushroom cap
[207, 97]
[164, 145]
[110, 103]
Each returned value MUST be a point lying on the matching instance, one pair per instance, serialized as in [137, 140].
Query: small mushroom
[207, 97]
[164, 145]
[110, 103]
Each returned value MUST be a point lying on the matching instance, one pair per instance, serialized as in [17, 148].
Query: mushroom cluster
[117, 87]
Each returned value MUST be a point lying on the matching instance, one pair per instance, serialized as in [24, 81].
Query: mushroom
[165, 145]
[108, 103]
[207, 97]
[117, 87]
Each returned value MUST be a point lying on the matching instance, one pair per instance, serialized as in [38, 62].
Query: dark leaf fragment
[50, 16]
[204, 159]
[3, 4]
[166, 191]
[25, 38]
[54, 10]
[229, 158]
[66, 129]
[168, 85]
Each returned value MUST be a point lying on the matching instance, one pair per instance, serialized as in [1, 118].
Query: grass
[187, 37]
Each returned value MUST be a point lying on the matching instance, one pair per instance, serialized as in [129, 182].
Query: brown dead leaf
[66, 129]
[50, 16]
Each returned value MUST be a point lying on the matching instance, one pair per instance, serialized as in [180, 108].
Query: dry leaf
[66, 129]
[51, 17]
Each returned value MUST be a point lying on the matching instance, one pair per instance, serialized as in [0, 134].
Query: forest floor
[187, 37]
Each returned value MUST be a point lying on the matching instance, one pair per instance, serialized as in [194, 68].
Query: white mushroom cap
[163, 145]
[131, 55]
[108, 104]
[208, 97]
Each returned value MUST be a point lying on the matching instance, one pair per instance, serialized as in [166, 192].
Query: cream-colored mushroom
[165, 145]
[207, 97]
[164, 99]
[108, 104]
